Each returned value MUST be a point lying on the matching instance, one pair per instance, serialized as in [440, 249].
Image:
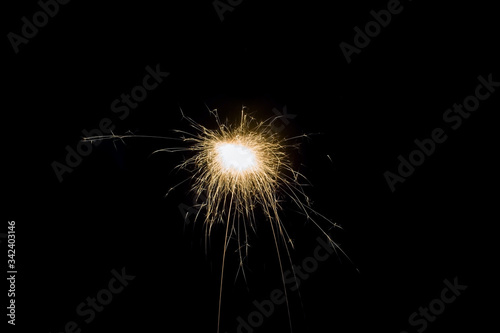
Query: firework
[241, 169]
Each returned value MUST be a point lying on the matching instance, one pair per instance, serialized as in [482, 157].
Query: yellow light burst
[239, 170]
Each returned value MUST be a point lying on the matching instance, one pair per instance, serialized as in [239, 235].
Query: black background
[111, 212]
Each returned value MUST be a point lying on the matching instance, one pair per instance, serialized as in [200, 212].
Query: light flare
[236, 157]
[238, 170]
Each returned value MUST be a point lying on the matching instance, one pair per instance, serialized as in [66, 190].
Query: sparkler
[241, 168]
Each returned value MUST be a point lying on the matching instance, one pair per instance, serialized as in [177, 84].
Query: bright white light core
[236, 157]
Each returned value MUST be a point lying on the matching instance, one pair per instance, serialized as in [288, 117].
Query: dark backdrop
[110, 212]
